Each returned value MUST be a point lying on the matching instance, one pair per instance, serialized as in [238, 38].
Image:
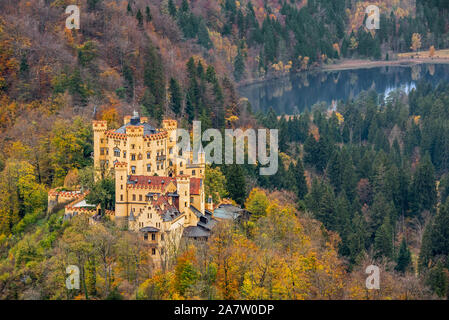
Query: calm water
[293, 94]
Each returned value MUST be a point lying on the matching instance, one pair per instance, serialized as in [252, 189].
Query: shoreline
[367, 64]
[351, 64]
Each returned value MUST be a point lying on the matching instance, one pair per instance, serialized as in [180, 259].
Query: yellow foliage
[340, 117]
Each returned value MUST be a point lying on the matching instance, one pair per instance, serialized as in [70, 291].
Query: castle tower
[171, 126]
[100, 144]
[121, 194]
[201, 162]
[183, 189]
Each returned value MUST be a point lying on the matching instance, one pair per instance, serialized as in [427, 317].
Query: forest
[365, 184]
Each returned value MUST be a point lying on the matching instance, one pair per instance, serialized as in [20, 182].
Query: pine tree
[190, 109]
[404, 257]
[128, 75]
[235, 183]
[171, 8]
[139, 18]
[129, 9]
[357, 238]
[175, 96]
[438, 280]
[423, 188]
[148, 16]
[239, 66]
[203, 36]
[383, 242]
[300, 180]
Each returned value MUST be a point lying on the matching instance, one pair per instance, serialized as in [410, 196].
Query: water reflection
[294, 93]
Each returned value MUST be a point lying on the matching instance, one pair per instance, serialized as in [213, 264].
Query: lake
[294, 93]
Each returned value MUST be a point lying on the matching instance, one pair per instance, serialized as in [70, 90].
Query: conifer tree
[383, 242]
[148, 16]
[172, 8]
[423, 188]
[235, 183]
[300, 180]
[404, 257]
[175, 96]
[139, 18]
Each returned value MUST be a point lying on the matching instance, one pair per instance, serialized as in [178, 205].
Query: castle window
[162, 237]
[181, 172]
[148, 167]
[124, 154]
[193, 172]
[101, 140]
[153, 251]
[116, 152]
[162, 166]
[121, 187]
[191, 199]
[140, 197]
[133, 146]
[134, 197]
[121, 197]
[158, 167]
[102, 151]
[145, 236]
[153, 237]
[185, 204]
[171, 151]
[133, 157]
[148, 155]
[133, 170]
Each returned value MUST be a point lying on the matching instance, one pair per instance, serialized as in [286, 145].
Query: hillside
[365, 183]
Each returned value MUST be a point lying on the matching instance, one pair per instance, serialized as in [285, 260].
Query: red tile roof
[151, 181]
[155, 182]
[195, 185]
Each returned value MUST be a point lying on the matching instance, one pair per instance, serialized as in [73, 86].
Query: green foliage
[71, 146]
[235, 183]
[215, 184]
[404, 258]
[175, 96]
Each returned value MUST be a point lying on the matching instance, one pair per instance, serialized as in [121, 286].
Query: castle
[159, 192]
